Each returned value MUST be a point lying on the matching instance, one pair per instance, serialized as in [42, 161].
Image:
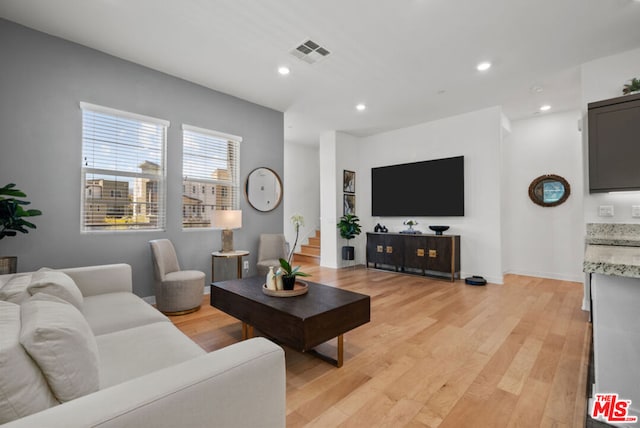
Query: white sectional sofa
[106, 358]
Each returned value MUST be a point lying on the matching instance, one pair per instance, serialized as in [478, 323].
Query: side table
[237, 254]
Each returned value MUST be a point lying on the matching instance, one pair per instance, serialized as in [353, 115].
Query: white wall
[538, 241]
[603, 79]
[475, 135]
[301, 190]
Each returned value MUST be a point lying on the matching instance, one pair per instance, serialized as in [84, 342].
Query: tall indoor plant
[12, 220]
[349, 228]
[289, 273]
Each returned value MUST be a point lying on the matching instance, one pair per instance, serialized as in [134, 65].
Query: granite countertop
[612, 260]
[627, 235]
[612, 249]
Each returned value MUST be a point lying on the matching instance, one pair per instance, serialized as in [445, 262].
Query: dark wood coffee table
[300, 322]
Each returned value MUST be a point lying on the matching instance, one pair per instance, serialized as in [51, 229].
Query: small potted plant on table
[289, 273]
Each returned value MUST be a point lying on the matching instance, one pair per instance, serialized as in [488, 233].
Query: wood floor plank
[437, 354]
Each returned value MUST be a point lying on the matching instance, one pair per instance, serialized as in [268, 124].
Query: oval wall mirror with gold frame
[263, 189]
[549, 190]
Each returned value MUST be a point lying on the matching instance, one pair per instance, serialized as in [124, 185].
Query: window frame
[187, 181]
[161, 179]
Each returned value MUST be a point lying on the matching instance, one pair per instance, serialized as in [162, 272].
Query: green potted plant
[289, 273]
[349, 228]
[632, 87]
[12, 220]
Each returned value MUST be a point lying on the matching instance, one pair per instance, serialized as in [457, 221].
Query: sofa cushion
[15, 289]
[137, 351]
[57, 284]
[60, 341]
[111, 312]
[23, 388]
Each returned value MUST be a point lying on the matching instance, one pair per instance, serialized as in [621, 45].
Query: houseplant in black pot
[12, 220]
[289, 274]
[349, 229]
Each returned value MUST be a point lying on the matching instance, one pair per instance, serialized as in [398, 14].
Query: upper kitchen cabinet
[614, 144]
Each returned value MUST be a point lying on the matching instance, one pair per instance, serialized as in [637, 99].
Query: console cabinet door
[394, 250]
[439, 253]
[375, 248]
[415, 252]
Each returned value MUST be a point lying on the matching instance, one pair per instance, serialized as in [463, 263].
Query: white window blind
[123, 170]
[210, 174]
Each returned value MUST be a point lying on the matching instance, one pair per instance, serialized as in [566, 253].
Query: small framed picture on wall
[349, 204]
[349, 181]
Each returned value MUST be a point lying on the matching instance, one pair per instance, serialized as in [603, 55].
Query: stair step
[317, 233]
[306, 258]
[310, 249]
[314, 241]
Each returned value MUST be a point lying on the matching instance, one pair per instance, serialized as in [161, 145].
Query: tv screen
[433, 188]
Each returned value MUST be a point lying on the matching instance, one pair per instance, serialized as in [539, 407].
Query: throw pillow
[57, 284]
[23, 388]
[15, 290]
[59, 339]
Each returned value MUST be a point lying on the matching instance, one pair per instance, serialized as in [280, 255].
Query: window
[211, 160]
[123, 170]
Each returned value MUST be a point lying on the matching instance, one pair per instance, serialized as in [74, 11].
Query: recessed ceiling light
[483, 66]
[545, 107]
[361, 107]
[284, 70]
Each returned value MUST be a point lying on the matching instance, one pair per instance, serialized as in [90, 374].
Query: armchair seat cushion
[184, 276]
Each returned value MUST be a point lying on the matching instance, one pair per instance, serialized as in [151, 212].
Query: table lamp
[227, 220]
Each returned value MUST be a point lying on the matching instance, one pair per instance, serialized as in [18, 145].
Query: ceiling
[409, 61]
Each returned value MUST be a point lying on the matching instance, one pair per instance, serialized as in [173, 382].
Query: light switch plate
[605, 211]
[245, 264]
[635, 210]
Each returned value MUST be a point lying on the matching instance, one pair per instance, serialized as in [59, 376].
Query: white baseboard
[549, 275]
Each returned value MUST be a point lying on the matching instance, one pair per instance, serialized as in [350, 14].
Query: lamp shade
[227, 219]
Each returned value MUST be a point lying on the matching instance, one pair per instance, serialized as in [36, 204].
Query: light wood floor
[437, 354]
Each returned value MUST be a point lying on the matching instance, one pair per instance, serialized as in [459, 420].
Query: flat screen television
[433, 188]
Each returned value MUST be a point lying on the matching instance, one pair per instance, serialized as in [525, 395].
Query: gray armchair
[271, 248]
[177, 291]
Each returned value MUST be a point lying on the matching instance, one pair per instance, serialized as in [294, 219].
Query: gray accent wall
[42, 81]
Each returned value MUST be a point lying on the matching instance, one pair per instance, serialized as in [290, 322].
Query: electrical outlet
[635, 210]
[605, 211]
[245, 264]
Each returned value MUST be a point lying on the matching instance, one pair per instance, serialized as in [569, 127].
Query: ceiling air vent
[310, 52]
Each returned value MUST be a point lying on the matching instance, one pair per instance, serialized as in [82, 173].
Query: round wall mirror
[263, 189]
[549, 190]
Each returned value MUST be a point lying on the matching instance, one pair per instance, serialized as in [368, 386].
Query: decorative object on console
[475, 280]
[632, 87]
[349, 229]
[384, 229]
[411, 230]
[378, 228]
[439, 229]
[227, 220]
[12, 221]
[549, 190]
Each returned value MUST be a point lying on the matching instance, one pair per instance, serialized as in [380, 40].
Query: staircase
[310, 252]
